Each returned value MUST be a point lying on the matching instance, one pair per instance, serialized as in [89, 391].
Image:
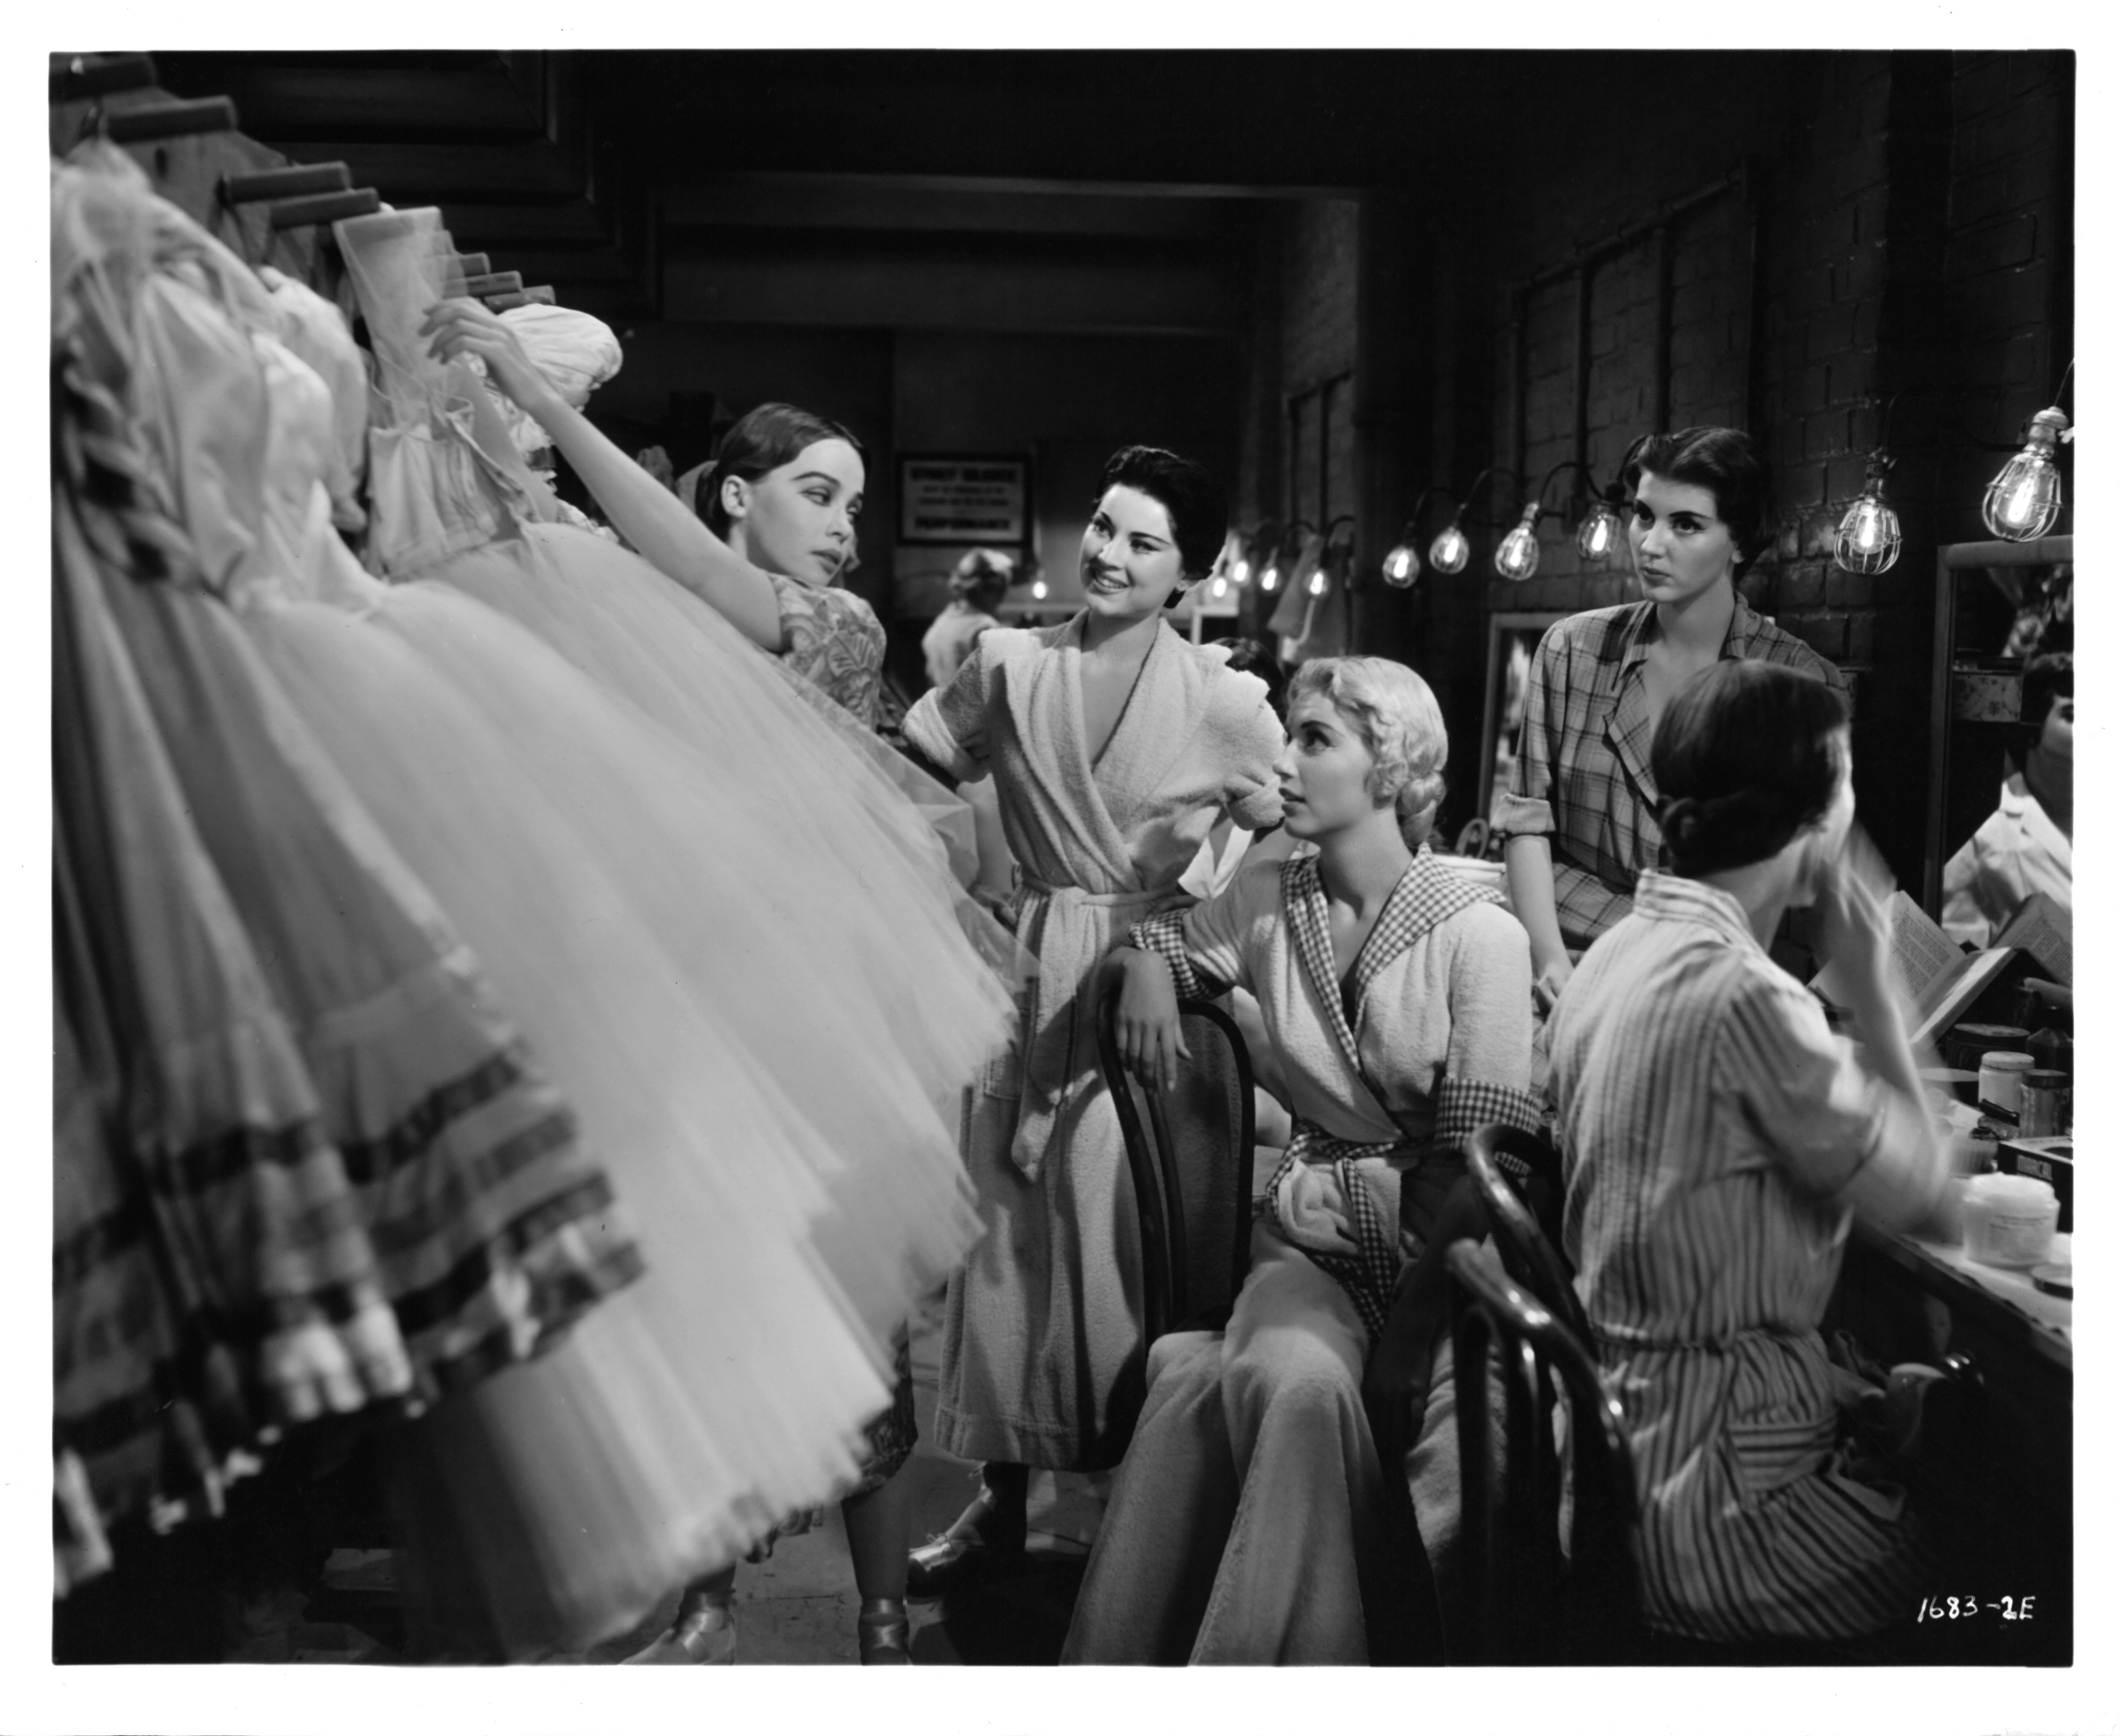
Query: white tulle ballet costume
[737, 947]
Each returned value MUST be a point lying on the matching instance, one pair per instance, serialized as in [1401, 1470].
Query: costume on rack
[305, 1159]
[1245, 1523]
[1582, 780]
[1041, 1361]
[1707, 1119]
[2017, 851]
[780, 1142]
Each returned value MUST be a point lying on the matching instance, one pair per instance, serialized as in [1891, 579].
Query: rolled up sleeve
[1526, 809]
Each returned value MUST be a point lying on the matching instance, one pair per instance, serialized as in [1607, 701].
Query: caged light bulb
[1450, 551]
[1599, 535]
[2025, 499]
[1517, 556]
[1868, 539]
[1401, 567]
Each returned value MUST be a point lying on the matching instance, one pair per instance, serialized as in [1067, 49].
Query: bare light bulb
[1220, 588]
[1401, 567]
[1038, 590]
[1270, 578]
[1518, 557]
[2024, 501]
[1450, 551]
[1599, 535]
[1868, 539]
[1240, 569]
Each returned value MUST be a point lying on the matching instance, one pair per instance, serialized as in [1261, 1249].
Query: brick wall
[1871, 181]
[2007, 294]
[1899, 220]
[1299, 454]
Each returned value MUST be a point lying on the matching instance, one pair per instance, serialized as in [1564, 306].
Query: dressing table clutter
[2002, 1086]
[2009, 1219]
[2049, 1160]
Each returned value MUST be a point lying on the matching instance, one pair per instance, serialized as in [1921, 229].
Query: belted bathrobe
[1042, 1355]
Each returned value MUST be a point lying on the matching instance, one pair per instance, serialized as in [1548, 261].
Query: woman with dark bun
[1716, 1139]
[1580, 817]
[1114, 743]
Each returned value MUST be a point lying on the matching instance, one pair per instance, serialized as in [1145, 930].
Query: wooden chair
[1527, 1605]
[1524, 1218]
[1396, 1384]
[1528, 1602]
[1173, 1241]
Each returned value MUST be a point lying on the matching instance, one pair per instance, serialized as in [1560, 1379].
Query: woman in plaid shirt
[1580, 817]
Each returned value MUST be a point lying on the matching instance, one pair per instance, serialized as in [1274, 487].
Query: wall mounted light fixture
[1286, 549]
[1402, 566]
[1450, 551]
[2026, 497]
[1335, 556]
[1516, 558]
[1867, 540]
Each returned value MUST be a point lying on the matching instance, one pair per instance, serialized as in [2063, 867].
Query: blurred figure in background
[976, 589]
[2027, 845]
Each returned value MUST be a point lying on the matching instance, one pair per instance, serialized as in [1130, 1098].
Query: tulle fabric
[841, 1004]
[771, 1083]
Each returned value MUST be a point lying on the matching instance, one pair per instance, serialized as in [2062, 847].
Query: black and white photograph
[976, 843]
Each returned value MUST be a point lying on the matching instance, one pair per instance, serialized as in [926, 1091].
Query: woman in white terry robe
[1113, 745]
[1245, 1525]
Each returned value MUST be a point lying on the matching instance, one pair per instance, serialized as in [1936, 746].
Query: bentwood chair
[1512, 1185]
[1194, 1251]
[1517, 1176]
[1528, 1600]
[1472, 839]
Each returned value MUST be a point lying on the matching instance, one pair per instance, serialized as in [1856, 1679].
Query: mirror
[1996, 604]
[1511, 639]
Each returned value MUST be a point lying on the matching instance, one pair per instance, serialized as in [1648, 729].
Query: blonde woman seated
[1244, 1526]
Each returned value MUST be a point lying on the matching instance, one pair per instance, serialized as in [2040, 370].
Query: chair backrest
[1189, 1260]
[1524, 1217]
[1527, 1602]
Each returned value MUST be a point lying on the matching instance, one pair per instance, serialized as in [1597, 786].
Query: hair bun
[1679, 816]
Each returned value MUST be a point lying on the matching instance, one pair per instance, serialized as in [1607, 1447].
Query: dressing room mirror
[1511, 639]
[1997, 605]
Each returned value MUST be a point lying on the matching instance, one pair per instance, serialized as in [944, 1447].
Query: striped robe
[1707, 1121]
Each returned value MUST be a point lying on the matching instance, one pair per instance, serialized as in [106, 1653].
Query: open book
[2042, 928]
[1939, 981]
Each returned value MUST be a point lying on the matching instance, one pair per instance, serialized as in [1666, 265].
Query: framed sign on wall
[943, 499]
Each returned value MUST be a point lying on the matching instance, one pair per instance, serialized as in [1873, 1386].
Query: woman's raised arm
[646, 515]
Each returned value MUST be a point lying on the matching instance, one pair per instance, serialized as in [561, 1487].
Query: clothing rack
[263, 205]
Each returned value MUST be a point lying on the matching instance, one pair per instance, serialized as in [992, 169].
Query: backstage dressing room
[913, 859]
